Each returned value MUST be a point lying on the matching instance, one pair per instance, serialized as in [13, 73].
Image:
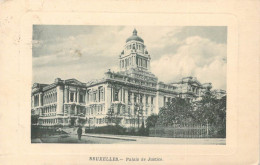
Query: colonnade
[49, 110]
[95, 95]
[74, 95]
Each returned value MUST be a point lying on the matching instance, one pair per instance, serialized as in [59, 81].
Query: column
[132, 105]
[66, 94]
[126, 97]
[40, 99]
[59, 100]
[108, 98]
[104, 92]
[77, 95]
[149, 103]
[112, 94]
[69, 96]
[120, 94]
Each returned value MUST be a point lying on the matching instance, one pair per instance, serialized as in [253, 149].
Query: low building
[190, 88]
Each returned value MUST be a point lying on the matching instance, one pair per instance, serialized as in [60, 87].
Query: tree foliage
[179, 111]
[151, 120]
[209, 110]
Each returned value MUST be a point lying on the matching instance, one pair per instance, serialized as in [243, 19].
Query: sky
[86, 52]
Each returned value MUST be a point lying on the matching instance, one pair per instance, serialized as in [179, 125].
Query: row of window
[49, 111]
[133, 46]
[73, 98]
[141, 62]
[94, 110]
[136, 98]
[50, 98]
[126, 62]
[52, 121]
[96, 96]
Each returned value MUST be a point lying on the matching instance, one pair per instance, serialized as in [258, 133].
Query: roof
[134, 37]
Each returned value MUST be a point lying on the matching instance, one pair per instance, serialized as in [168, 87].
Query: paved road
[111, 139]
[74, 139]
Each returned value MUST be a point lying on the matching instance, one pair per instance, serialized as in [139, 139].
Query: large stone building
[129, 96]
[62, 102]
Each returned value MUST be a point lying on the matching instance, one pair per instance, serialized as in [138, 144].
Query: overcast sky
[86, 52]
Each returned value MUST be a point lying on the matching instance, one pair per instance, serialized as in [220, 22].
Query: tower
[134, 54]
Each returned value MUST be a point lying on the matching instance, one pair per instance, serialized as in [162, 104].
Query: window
[129, 97]
[95, 97]
[116, 95]
[146, 99]
[71, 97]
[151, 100]
[81, 98]
[102, 95]
[141, 99]
[135, 98]
[99, 93]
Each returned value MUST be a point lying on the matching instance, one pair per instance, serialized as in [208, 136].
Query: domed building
[133, 93]
[126, 97]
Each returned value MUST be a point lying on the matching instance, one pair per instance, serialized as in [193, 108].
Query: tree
[151, 120]
[112, 116]
[34, 119]
[179, 111]
[212, 111]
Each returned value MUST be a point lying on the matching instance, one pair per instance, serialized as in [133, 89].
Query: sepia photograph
[96, 84]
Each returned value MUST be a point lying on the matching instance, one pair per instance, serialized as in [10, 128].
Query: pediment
[73, 82]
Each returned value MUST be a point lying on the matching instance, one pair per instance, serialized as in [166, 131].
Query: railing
[177, 131]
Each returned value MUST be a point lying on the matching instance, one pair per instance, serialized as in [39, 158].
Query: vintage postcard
[111, 84]
[151, 86]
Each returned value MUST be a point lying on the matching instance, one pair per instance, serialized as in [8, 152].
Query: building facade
[59, 103]
[127, 97]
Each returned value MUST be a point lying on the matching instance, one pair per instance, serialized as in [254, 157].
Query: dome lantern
[135, 37]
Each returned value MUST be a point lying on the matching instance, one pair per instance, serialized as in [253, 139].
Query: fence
[177, 131]
[43, 131]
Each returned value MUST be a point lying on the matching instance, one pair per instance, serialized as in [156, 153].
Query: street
[123, 139]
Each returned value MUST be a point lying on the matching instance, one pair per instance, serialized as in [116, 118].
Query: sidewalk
[119, 137]
[160, 140]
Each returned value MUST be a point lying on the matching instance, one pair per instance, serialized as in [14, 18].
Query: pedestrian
[79, 132]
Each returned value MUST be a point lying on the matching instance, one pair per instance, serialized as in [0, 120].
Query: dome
[134, 37]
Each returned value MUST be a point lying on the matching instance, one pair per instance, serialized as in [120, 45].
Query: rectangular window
[116, 95]
[129, 97]
[95, 97]
[151, 100]
[99, 92]
[81, 98]
[123, 95]
[71, 97]
[146, 99]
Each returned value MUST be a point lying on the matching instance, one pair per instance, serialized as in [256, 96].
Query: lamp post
[207, 127]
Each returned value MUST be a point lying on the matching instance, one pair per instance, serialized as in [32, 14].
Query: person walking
[79, 132]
